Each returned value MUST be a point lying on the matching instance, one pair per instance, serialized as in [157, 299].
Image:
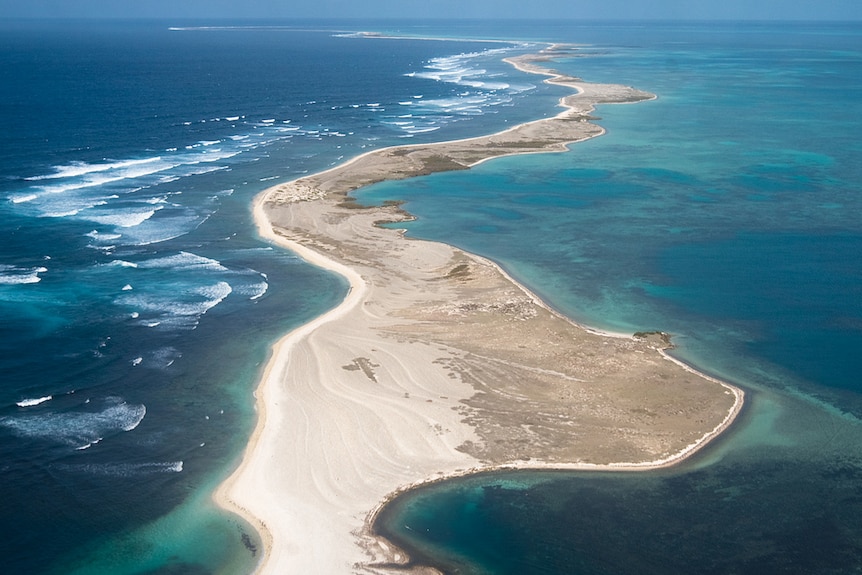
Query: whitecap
[110, 176]
[34, 401]
[61, 214]
[215, 293]
[122, 264]
[78, 428]
[164, 228]
[422, 130]
[103, 236]
[12, 275]
[253, 291]
[127, 218]
[77, 169]
[179, 310]
[163, 357]
[183, 261]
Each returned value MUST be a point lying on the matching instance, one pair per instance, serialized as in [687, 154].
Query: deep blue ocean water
[724, 212]
[137, 304]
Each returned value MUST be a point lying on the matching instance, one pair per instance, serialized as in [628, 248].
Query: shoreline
[392, 343]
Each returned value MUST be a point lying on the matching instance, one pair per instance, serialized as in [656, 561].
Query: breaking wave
[79, 428]
[13, 275]
[34, 401]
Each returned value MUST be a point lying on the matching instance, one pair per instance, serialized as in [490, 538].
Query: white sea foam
[77, 169]
[103, 237]
[184, 261]
[122, 264]
[13, 275]
[80, 428]
[180, 308]
[122, 218]
[215, 294]
[163, 357]
[486, 89]
[68, 205]
[69, 190]
[35, 401]
[253, 290]
[109, 176]
[164, 228]
[186, 313]
[415, 130]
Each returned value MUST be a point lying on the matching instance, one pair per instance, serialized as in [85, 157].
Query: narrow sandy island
[438, 364]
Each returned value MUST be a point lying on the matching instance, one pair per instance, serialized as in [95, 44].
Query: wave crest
[78, 429]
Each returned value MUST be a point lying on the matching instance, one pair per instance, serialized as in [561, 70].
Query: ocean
[137, 305]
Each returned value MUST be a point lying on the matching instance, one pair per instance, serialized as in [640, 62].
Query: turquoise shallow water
[726, 212]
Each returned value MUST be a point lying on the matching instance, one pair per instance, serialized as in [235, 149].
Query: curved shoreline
[398, 312]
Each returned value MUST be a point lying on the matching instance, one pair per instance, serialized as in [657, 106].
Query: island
[439, 364]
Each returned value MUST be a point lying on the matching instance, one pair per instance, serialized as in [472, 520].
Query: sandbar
[439, 364]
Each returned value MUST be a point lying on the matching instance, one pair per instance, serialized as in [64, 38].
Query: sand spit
[438, 364]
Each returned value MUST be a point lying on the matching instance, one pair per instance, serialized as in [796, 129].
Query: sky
[373, 9]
